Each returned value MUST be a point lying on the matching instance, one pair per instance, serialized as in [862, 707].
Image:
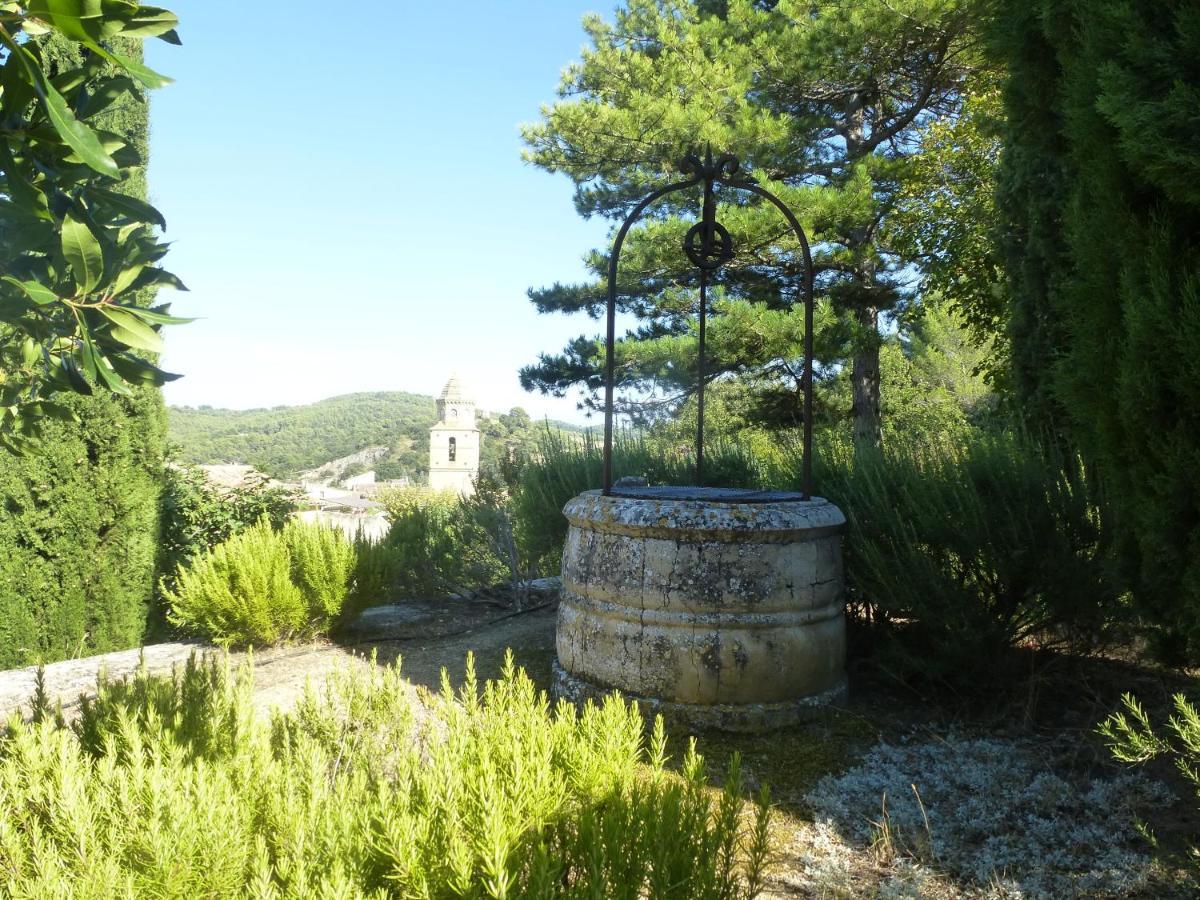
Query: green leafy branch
[77, 251]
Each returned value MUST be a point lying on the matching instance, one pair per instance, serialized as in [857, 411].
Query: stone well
[718, 608]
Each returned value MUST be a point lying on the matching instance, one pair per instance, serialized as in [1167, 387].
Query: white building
[359, 481]
[353, 513]
[454, 442]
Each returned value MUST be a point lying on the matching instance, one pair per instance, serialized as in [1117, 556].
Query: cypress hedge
[79, 516]
[1101, 194]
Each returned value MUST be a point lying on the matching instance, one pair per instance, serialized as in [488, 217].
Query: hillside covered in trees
[286, 440]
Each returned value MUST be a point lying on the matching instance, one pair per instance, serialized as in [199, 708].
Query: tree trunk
[864, 377]
[864, 373]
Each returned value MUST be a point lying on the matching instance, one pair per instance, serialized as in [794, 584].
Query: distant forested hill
[286, 440]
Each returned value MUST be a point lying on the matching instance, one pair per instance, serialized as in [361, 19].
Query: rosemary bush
[442, 543]
[264, 586]
[423, 540]
[376, 575]
[198, 515]
[323, 564]
[1132, 739]
[957, 553]
[173, 788]
[956, 549]
[240, 591]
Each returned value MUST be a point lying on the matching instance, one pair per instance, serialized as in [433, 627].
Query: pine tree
[824, 103]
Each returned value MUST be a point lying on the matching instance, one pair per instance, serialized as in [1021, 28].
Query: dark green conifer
[79, 515]
[1100, 195]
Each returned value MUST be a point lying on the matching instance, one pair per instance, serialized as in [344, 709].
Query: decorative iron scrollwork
[709, 245]
[708, 169]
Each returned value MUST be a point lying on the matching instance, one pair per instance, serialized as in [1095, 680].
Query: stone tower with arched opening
[454, 441]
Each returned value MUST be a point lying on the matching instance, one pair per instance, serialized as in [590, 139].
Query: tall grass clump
[264, 586]
[957, 553]
[173, 788]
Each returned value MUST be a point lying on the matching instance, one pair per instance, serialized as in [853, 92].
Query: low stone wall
[65, 681]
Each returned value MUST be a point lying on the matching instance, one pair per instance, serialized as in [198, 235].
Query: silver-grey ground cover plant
[993, 811]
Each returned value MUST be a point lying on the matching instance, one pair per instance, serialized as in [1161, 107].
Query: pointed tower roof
[454, 391]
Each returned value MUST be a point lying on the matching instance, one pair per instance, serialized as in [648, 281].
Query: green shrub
[79, 530]
[1100, 156]
[489, 519]
[959, 553]
[267, 586]
[323, 566]
[198, 515]
[1132, 739]
[423, 540]
[443, 543]
[376, 576]
[242, 592]
[173, 788]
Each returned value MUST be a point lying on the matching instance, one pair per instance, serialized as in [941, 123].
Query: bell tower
[454, 442]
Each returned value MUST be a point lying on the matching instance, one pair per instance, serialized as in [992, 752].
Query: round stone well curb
[716, 608]
[749, 718]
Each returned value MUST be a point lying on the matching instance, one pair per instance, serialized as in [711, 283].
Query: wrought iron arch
[709, 246]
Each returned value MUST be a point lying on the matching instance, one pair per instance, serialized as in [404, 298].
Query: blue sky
[347, 202]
